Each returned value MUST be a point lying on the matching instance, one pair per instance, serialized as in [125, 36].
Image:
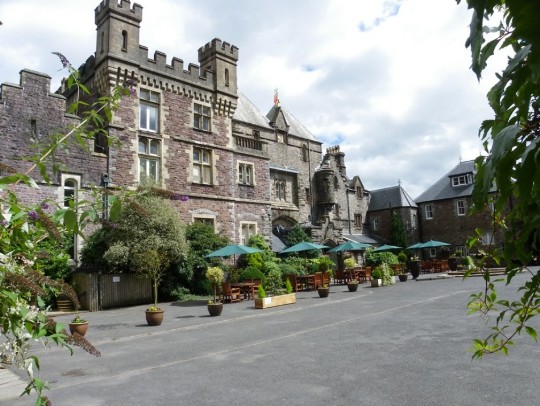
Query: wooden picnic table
[247, 289]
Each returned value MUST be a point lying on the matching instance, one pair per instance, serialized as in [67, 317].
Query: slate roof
[248, 113]
[296, 128]
[362, 238]
[443, 189]
[394, 196]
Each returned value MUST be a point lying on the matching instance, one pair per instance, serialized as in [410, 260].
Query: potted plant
[150, 264]
[323, 290]
[453, 261]
[376, 277]
[414, 266]
[402, 275]
[352, 285]
[78, 325]
[215, 277]
[276, 296]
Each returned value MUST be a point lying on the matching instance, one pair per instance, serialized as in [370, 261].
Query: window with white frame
[462, 180]
[70, 192]
[149, 110]
[149, 158]
[280, 190]
[413, 221]
[432, 252]
[201, 117]
[247, 229]
[69, 195]
[202, 166]
[460, 208]
[245, 173]
[428, 210]
[375, 223]
[205, 220]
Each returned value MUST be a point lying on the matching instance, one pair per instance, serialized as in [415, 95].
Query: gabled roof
[248, 113]
[293, 126]
[394, 197]
[443, 189]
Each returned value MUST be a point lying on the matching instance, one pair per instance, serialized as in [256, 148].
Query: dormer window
[462, 180]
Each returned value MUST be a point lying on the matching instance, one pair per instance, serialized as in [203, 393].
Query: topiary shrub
[349, 263]
[273, 282]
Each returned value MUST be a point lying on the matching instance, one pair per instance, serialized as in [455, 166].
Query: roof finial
[276, 97]
[399, 182]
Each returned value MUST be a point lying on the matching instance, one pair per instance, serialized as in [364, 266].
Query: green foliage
[398, 235]
[325, 264]
[383, 272]
[251, 273]
[349, 263]
[190, 273]
[402, 257]
[273, 282]
[151, 264]
[261, 292]
[31, 240]
[215, 276]
[512, 143]
[138, 229]
[294, 265]
[297, 235]
[377, 258]
[288, 286]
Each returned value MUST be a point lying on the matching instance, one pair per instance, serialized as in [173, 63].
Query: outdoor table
[307, 281]
[247, 289]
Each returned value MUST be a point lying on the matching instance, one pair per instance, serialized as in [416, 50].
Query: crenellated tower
[118, 27]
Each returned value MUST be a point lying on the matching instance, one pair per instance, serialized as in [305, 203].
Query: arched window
[124, 40]
[280, 190]
[227, 77]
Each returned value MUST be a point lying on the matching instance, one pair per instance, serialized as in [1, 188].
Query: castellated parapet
[216, 46]
[122, 8]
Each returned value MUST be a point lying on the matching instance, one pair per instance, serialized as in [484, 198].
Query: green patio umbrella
[386, 247]
[433, 244]
[234, 249]
[303, 246]
[415, 246]
[350, 246]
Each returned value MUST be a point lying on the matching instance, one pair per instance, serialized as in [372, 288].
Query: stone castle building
[194, 133]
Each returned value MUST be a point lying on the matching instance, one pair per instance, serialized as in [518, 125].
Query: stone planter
[353, 287]
[453, 264]
[414, 268]
[215, 309]
[154, 317]
[64, 304]
[403, 277]
[272, 301]
[323, 292]
[375, 283]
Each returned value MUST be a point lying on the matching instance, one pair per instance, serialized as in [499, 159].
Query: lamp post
[105, 184]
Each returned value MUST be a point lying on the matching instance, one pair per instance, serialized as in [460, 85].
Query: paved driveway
[400, 345]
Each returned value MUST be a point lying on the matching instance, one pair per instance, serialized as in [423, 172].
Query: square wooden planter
[272, 301]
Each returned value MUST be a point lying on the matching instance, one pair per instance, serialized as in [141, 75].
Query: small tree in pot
[215, 277]
[352, 284]
[402, 275]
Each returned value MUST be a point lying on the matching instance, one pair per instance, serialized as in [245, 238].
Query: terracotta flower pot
[79, 328]
[154, 317]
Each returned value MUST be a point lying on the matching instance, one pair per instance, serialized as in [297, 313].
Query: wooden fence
[102, 291]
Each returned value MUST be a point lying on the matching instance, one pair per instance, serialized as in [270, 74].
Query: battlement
[122, 7]
[216, 46]
[333, 150]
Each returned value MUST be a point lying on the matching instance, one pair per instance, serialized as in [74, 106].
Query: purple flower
[185, 198]
[63, 59]
[44, 206]
[33, 215]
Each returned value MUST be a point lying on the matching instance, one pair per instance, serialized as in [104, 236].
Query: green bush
[378, 258]
[251, 273]
[273, 282]
[288, 286]
[383, 272]
[349, 263]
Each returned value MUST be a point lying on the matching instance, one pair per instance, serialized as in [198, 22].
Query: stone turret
[221, 58]
[118, 27]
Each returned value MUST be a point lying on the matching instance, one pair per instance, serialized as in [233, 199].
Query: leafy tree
[398, 234]
[297, 235]
[512, 143]
[202, 241]
[140, 228]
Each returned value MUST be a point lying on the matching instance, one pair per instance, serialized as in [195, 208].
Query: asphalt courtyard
[400, 345]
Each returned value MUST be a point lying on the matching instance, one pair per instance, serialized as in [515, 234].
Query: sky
[386, 80]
